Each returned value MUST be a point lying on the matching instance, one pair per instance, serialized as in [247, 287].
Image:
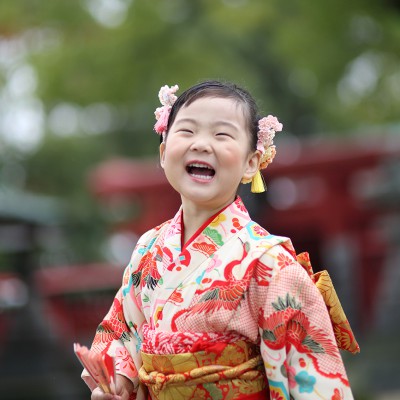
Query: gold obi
[344, 335]
[236, 369]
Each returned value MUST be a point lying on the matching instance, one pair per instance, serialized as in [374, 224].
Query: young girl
[212, 306]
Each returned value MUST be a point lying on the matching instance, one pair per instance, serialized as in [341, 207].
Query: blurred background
[79, 178]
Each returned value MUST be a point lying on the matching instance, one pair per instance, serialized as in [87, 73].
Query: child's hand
[124, 388]
[98, 394]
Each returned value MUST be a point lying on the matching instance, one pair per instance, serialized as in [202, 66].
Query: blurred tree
[95, 67]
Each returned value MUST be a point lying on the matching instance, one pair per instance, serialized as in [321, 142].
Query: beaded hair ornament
[267, 127]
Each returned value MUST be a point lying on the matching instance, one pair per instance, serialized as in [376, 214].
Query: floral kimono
[232, 314]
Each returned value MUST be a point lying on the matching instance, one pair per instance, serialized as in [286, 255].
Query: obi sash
[233, 370]
[344, 335]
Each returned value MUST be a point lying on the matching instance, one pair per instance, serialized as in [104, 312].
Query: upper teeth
[199, 165]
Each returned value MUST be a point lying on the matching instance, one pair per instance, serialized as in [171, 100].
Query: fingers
[124, 395]
[98, 394]
[123, 387]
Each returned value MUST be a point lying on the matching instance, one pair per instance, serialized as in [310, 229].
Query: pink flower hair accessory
[167, 99]
[267, 127]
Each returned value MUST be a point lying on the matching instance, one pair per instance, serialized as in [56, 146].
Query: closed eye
[223, 134]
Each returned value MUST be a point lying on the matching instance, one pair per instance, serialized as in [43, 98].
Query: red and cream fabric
[233, 282]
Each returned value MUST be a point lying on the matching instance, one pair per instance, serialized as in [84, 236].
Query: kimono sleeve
[119, 333]
[298, 346]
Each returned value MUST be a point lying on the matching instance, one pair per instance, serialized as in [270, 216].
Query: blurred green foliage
[323, 67]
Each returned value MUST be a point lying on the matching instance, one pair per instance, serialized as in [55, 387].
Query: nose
[201, 143]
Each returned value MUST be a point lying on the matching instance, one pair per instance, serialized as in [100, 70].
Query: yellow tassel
[257, 183]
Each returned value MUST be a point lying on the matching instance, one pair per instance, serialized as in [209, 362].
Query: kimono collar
[219, 226]
[199, 230]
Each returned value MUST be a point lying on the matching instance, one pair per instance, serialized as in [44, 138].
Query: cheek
[232, 159]
[235, 155]
[172, 154]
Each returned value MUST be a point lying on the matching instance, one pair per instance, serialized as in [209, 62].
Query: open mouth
[200, 171]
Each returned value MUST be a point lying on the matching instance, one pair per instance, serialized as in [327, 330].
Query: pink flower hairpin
[167, 99]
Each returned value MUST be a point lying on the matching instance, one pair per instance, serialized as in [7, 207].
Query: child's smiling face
[207, 152]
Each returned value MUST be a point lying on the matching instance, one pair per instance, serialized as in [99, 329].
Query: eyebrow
[218, 123]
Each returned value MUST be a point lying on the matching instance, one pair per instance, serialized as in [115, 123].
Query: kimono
[232, 314]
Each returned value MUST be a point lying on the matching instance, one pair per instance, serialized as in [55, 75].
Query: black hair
[220, 89]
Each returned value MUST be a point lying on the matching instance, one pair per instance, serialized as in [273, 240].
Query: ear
[162, 154]
[252, 166]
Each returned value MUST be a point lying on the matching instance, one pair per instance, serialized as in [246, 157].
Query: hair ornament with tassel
[267, 127]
